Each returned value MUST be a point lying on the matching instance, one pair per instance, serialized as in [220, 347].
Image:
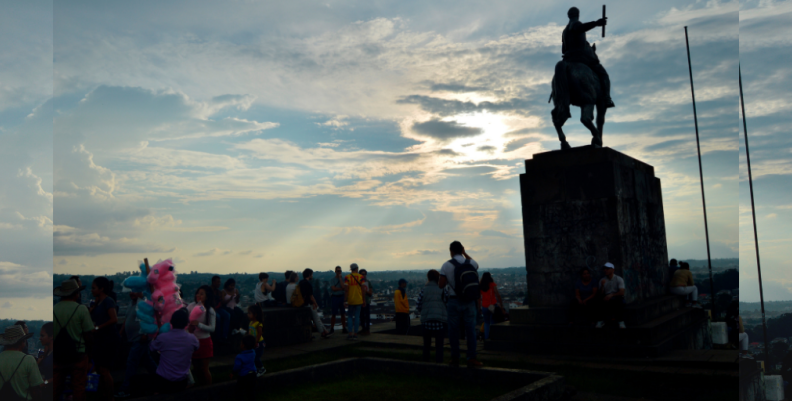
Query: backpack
[67, 348]
[466, 281]
[7, 392]
[297, 298]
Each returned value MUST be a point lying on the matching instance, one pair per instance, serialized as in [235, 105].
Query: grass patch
[387, 387]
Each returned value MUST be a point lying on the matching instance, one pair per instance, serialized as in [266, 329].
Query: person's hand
[602, 21]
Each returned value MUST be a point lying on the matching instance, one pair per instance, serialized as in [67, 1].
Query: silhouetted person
[576, 49]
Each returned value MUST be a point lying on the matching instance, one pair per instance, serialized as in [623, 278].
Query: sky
[244, 136]
[766, 60]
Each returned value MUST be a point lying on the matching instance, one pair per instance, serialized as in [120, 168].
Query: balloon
[148, 328]
[165, 328]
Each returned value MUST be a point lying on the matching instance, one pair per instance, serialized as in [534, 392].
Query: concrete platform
[634, 315]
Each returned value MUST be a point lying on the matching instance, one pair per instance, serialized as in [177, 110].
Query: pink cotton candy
[198, 313]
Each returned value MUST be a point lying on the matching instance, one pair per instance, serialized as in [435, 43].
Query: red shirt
[488, 296]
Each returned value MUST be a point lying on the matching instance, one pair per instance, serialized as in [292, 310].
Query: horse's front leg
[558, 122]
[587, 118]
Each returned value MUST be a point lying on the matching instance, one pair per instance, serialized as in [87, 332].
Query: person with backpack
[303, 297]
[20, 378]
[73, 330]
[460, 275]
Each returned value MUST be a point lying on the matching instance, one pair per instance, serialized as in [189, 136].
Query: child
[245, 370]
[256, 329]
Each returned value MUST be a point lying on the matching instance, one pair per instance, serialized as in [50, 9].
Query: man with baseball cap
[18, 371]
[69, 315]
[612, 288]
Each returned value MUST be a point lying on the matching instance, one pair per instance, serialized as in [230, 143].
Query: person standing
[291, 286]
[402, 308]
[460, 309]
[434, 315]
[223, 316]
[682, 284]
[19, 373]
[138, 347]
[202, 331]
[306, 290]
[44, 360]
[78, 337]
[280, 290]
[256, 329]
[490, 299]
[175, 347]
[354, 291]
[612, 304]
[337, 300]
[103, 314]
[262, 294]
[365, 310]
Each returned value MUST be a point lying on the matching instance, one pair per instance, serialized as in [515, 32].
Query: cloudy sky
[249, 136]
[766, 58]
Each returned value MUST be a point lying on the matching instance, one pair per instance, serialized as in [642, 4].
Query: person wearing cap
[612, 305]
[402, 304]
[18, 369]
[354, 290]
[69, 315]
[176, 348]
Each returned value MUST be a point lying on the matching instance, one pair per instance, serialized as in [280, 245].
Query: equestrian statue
[580, 80]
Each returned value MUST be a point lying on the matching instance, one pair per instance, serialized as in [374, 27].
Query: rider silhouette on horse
[580, 80]
[576, 49]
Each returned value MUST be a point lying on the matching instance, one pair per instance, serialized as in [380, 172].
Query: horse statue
[576, 84]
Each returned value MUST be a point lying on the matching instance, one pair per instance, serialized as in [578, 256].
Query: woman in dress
[203, 330]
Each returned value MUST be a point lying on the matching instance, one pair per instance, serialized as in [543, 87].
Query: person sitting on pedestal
[682, 284]
[612, 306]
[585, 293]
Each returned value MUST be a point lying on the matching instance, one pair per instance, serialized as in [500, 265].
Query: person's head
[230, 285]
[248, 342]
[353, 267]
[293, 277]
[180, 319]
[585, 274]
[47, 333]
[608, 269]
[338, 270]
[22, 324]
[486, 280]
[673, 262]
[100, 286]
[684, 265]
[288, 274]
[69, 290]
[402, 283]
[363, 273]
[456, 248]
[307, 274]
[14, 338]
[205, 296]
[215, 281]
[573, 13]
[255, 313]
[433, 276]
[263, 276]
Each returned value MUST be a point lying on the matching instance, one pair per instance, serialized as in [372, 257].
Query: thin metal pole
[753, 213]
[701, 176]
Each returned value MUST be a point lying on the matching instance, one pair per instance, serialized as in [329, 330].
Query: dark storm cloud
[445, 130]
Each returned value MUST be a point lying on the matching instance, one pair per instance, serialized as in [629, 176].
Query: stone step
[684, 329]
[634, 315]
[651, 333]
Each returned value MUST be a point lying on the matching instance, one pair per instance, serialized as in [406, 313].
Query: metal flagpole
[701, 176]
[753, 213]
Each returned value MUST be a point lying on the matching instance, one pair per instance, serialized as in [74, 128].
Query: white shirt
[611, 286]
[204, 330]
[259, 296]
[448, 271]
[289, 291]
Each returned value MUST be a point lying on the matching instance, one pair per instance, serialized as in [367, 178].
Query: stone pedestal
[587, 206]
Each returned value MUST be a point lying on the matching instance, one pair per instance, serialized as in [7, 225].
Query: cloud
[493, 233]
[21, 281]
[8, 304]
[422, 252]
[213, 252]
[445, 130]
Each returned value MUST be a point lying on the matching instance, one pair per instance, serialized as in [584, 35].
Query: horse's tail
[560, 94]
